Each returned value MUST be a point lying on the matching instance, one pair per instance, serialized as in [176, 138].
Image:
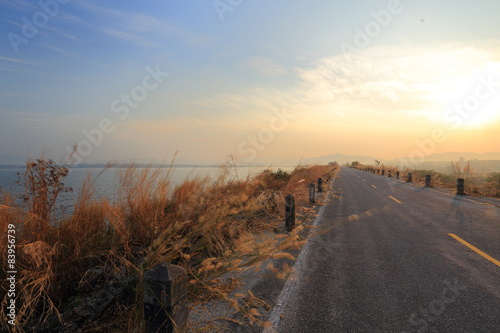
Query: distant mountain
[448, 157]
[479, 166]
[480, 162]
[487, 162]
[342, 158]
[455, 156]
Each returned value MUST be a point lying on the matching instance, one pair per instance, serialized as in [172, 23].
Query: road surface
[394, 257]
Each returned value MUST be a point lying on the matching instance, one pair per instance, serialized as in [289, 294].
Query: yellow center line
[395, 199]
[374, 186]
[475, 249]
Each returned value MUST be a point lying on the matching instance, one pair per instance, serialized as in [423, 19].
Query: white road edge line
[291, 281]
[436, 191]
[448, 194]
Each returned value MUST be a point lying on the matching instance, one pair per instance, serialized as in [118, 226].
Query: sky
[112, 81]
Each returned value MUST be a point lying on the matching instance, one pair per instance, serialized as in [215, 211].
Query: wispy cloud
[370, 86]
[264, 66]
[257, 100]
[15, 65]
[128, 36]
[66, 17]
[13, 70]
[18, 61]
[22, 5]
[386, 79]
[56, 49]
[186, 125]
[35, 118]
[101, 10]
[63, 33]
[137, 27]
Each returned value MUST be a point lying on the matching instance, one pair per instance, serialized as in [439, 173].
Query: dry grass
[206, 227]
[479, 184]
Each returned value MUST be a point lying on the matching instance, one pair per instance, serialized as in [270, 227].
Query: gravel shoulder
[263, 283]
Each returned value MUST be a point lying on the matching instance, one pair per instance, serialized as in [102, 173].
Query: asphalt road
[394, 257]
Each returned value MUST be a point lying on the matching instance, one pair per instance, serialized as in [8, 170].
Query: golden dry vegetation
[476, 183]
[207, 227]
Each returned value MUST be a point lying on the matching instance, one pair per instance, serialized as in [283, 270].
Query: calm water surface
[106, 182]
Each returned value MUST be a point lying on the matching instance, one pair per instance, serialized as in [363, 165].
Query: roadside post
[460, 186]
[312, 193]
[289, 212]
[427, 180]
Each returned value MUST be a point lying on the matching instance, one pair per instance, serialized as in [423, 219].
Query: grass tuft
[211, 228]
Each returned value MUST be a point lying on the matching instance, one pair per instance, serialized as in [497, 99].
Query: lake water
[106, 182]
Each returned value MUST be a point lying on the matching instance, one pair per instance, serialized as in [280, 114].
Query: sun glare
[482, 117]
[461, 115]
[470, 103]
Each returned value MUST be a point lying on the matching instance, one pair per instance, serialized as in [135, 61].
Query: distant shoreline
[144, 165]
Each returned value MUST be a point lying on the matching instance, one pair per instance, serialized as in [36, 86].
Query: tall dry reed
[208, 227]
